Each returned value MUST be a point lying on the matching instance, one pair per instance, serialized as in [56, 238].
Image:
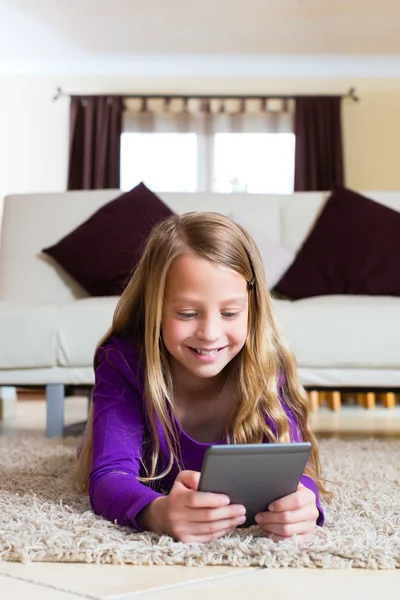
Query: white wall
[34, 137]
[34, 130]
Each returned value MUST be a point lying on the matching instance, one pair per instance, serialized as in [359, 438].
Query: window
[258, 163]
[238, 162]
[208, 144]
[166, 162]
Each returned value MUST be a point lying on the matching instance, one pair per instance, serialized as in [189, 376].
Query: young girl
[193, 358]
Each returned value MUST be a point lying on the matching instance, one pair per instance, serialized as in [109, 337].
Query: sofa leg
[388, 399]
[8, 402]
[55, 394]
[314, 397]
[366, 399]
[334, 400]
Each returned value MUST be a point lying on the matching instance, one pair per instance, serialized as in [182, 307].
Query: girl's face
[205, 312]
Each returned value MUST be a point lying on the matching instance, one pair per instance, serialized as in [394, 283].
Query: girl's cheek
[240, 328]
[180, 329]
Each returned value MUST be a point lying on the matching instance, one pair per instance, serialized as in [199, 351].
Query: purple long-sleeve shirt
[120, 432]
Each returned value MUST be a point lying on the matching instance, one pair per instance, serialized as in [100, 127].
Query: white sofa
[49, 326]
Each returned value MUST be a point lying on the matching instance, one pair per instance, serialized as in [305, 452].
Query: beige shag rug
[42, 519]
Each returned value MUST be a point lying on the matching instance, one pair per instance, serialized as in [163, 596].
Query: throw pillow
[276, 258]
[353, 248]
[103, 251]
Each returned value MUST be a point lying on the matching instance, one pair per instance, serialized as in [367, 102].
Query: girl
[193, 357]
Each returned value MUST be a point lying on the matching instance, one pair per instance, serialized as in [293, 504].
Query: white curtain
[211, 115]
[206, 117]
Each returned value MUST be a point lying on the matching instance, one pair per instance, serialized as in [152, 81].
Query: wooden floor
[367, 399]
[351, 420]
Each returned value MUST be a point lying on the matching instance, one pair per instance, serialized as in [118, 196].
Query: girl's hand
[295, 514]
[192, 516]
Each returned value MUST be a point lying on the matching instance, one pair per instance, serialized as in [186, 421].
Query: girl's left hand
[295, 514]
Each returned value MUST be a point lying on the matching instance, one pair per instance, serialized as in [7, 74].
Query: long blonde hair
[264, 357]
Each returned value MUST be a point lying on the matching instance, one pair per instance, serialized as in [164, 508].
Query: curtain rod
[350, 94]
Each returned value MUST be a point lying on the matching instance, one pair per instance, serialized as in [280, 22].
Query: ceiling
[93, 29]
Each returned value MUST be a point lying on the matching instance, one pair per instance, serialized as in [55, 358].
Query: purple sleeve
[295, 436]
[310, 484]
[115, 493]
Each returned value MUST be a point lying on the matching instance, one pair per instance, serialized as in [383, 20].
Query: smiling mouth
[211, 352]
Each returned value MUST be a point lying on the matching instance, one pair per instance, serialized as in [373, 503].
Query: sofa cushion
[276, 258]
[91, 315]
[102, 252]
[28, 335]
[348, 332]
[353, 248]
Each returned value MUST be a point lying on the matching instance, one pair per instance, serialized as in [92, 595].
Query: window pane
[254, 162]
[165, 162]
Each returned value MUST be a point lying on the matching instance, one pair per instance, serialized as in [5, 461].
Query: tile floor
[61, 581]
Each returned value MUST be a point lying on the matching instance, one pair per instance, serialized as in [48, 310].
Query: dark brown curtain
[318, 153]
[95, 142]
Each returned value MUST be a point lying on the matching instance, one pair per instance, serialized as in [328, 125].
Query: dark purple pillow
[353, 248]
[102, 252]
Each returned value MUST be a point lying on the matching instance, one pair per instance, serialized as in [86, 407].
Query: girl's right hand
[192, 516]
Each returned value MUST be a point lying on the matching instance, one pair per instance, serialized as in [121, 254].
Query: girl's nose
[209, 330]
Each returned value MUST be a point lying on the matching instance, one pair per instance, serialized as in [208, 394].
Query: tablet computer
[254, 474]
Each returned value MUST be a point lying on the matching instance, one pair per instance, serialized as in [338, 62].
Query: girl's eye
[186, 315]
[192, 315]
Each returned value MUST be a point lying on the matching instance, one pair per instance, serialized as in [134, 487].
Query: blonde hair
[264, 357]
